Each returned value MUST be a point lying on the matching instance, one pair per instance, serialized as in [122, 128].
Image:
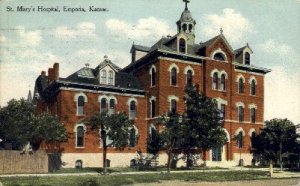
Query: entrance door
[217, 153]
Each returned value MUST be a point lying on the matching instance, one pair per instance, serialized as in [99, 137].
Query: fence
[13, 162]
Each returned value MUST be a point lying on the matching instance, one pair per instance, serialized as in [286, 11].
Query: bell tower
[186, 24]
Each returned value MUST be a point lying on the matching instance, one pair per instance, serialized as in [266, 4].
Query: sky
[32, 41]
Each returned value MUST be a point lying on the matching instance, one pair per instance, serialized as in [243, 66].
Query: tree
[47, 128]
[171, 135]
[114, 131]
[203, 126]
[19, 124]
[278, 137]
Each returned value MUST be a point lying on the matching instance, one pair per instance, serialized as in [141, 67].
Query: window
[79, 136]
[80, 105]
[173, 76]
[103, 76]
[223, 82]
[109, 141]
[103, 105]
[111, 106]
[153, 74]
[173, 108]
[252, 137]
[247, 58]
[182, 45]
[153, 134]
[190, 27]
[241, 113]
[110, 77]
[222, 111]
[252, 115]
[184, 27]
[219, 56]
[240, 140]
[78, 164]
[252, 87]
[241, 85]
[216, 153]
[152, 108]
[189, 77]
[132, 137]
[215, 81]
[132, 110]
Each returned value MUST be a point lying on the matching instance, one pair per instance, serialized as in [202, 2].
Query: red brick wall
[65, 106]
[67, 110]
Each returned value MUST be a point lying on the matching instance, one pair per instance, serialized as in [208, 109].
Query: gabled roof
[214, 39]
[238, 51]
[109, 63]
[140, 48]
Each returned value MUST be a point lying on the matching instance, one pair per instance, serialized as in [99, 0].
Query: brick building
[151, 85]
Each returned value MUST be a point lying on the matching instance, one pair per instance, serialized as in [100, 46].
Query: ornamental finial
[186, 2]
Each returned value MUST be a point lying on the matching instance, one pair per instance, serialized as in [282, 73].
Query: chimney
[53, 73]
[50, 75]
[56, 71]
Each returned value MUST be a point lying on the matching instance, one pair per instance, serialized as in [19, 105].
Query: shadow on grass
[121, 179]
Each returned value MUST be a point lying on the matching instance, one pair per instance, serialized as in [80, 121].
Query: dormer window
[107, 76]
[103, 76]
[247, 58]
[182, 47]
[110, 77]
[219, 56]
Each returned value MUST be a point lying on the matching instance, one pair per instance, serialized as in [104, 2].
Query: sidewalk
[276, 174]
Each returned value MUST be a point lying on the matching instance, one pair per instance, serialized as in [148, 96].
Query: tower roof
[186, 16]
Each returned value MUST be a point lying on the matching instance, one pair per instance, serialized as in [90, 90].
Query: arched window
[182, 45]
[253, 87]
[222, 111]
[223, 82]
[110, 77]
[189, 77]
[103, 105]
[215, 81]
[241, 85]
[241, 113]
[153, 78]
[79, 136]
[153, 134]
[132, 137]
[219, 56]
[152, 108]
[190, 27]
[253, 115]
[173, 76]
[80, 105]
[103, 76]
[184, 27]
[132, 110]
[247, 58]
[240, 140]
[252, 137]
[173, 108]
[111, 106]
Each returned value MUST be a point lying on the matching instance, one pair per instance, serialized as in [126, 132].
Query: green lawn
[129, 169]
[131, 179]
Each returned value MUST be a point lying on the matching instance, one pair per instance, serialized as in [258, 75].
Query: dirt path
[273, 182]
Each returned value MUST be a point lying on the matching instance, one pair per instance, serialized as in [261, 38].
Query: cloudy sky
[33, 41]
